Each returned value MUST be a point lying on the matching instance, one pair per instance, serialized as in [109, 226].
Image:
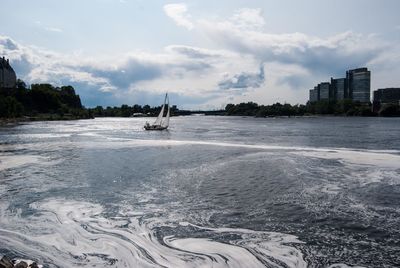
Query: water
[210, 192]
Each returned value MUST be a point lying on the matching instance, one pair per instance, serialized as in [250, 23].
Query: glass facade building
[356, 86]
[314, 94]
[384, 96]
[387, 95]
[339, 88]
[324, 91]
[359, 84]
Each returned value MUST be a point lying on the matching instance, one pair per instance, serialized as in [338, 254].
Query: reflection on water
[212, 191]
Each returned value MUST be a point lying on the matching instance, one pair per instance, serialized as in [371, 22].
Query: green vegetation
[342, 108]
[253, 109]
[390, 110]
[142, 111]
[41, 102]
[127, 111]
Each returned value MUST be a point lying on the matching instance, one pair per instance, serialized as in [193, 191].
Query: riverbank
[41, 117]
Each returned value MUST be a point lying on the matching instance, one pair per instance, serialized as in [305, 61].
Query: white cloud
[191, 72]
[243, 33]
[248, 18]
[178, 12]
[47, 28]
[36, 65]
[243, 80]
[53, 29]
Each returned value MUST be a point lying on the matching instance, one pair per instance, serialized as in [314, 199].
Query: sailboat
[161, 122]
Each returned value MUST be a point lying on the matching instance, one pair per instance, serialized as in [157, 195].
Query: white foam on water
[270, 245]
[342, 265]
[43, 135]
[70, 234]
[29, 262]
[8, 161]
[222, 255]
[382, 158]
[365, 157]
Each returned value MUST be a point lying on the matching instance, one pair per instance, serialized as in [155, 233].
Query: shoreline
[50, 117]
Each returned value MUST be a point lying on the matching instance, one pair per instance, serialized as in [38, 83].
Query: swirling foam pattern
[77, 234]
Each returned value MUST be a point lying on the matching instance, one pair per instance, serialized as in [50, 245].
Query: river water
[210, 192]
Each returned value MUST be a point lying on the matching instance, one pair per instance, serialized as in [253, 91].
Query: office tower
[324, 90]
[359, 84]
[338, 86]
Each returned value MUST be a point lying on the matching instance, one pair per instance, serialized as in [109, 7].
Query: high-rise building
[359, 84]
[314, 94]
[8, 79]
[339, 88]
[356, 86]
[324, 90]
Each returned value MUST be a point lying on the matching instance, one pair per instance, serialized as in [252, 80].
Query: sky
[205, 54]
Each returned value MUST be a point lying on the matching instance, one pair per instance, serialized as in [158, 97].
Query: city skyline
[356, 86]
[204, 54]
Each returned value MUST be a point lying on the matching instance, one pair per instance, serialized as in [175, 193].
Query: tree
[68, 96]
[10, 107]
[20, 84]
[44, 98]
[125, 111]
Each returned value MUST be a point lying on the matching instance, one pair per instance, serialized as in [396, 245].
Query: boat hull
[155, 127]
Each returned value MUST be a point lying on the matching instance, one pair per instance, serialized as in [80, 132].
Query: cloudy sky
[204, 53]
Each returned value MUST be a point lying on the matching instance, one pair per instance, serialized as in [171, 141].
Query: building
[324, 90]
[356, 86]
[314, 94]
[8, 79]
[339, 88]
[387, 95]
[359, 84]
[384, 96]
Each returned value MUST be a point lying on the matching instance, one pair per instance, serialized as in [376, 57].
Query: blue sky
[205, 53]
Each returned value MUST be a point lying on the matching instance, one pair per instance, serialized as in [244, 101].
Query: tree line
[41, 100]
[48, 102]
[342, 107]
[145, 110]
[127, 111]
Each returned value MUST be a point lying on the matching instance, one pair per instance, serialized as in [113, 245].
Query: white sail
[161, 122]
[161, 114]
[166, 121]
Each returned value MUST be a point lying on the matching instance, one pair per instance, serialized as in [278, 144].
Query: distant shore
[43, 117]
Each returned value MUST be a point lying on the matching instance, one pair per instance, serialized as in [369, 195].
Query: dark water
[210, 192]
